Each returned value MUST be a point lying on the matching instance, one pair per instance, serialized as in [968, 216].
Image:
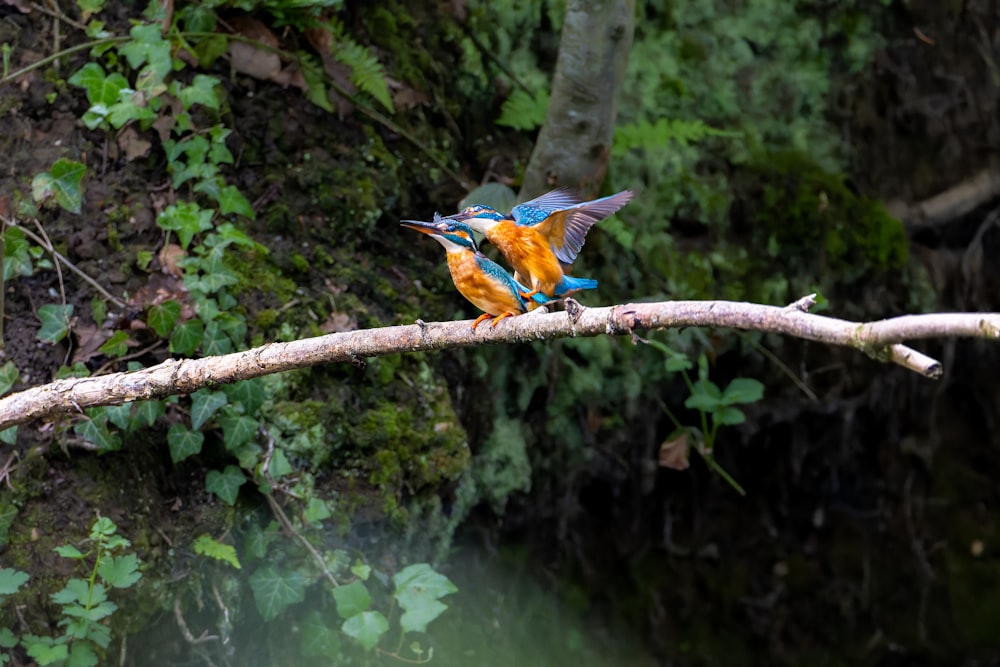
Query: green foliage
[206, 545]
[55, 322]
[225, 484]
[522, 111]
[9, 375]
[63, 183]
[367, 72]
[84, 604]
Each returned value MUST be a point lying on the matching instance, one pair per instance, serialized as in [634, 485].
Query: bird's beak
[420, 226]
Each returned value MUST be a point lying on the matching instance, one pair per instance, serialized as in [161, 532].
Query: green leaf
[63, 183]
[367, 72]
[352, 599]
[315, 79]
[247, 393]
[279, 464]
[316, 511]
[95, 430]
[215, 341]
[367, 628]
[237, 430]
[187, 337]
[522, 111]
[162, 317]
[231, 200]
[119, 415]
[147, 412]
[69, 551]
[317, 638]
[361, 570]
[201, 91]
[729, 416]
[416, 619]
[225, 484]
[120, 571]
[9, 375]
[705, 396]
[8, 639]
[103, 527]
[81, 654]
[88, 7]
[743, 390]
[11, 580]
[417, 583]
[206, 545]
[204, 404]
[45, 654]
[55, 321]
[16, 254]
[148, 46]
[8, 436]
[102, 90]
[184, 442]
[275, 590]
[78, 591]
[186, 220]
[116, 346]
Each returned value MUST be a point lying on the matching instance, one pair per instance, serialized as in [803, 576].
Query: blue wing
[536, 210]
[566, 229]
[499, 274]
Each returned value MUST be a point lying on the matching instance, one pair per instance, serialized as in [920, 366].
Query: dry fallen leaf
[339, 322]
[674, 452]
[133, 145]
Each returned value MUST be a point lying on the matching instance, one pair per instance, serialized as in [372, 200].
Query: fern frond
[522, 111]
[367, 72]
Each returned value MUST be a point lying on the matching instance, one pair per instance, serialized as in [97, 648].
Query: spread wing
[566, 229]
[532, 212]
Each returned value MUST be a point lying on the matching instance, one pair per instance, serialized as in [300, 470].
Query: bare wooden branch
[881, 340]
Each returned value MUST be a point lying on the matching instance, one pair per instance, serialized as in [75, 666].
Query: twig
[72, 267]
[283, 520]
[881, 340]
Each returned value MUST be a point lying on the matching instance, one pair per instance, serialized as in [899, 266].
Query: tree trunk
[575, 142]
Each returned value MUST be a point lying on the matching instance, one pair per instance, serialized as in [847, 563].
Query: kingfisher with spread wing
[480, 280]
[541, 235]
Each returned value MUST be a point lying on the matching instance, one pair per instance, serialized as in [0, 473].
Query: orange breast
[486, 293]
[529, 253]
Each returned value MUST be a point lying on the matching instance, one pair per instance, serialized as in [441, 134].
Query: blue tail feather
[570, 284]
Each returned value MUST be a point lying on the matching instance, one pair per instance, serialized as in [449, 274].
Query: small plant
[716, 407]
[84, 602]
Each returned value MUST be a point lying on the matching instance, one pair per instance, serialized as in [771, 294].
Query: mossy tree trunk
[575, 142]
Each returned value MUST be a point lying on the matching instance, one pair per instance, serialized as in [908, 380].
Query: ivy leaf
[237, 430]
[279, 464]
[201, 91]
[318, 639]
[186, 220]
[419, 582]
[204, 404]
[361, 570]
[231, 200]
[63, 183]
[55, 321]
[147, 412]
[16, 254]
[352, 599]
[119, 415]
[206, 545]
[275, 590]
[247, 393]
[187, 337]
[115, 346]
[184, 442]
[8, 376]
[225, 484]
[120, 571]
[416, 619]
[11, 580]
[366, 627]
[316, 511]
[163, 316]
[8, 436]
[95, 430]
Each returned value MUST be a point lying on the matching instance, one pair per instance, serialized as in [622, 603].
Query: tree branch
[881, 340]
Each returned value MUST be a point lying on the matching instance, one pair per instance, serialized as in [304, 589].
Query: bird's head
[479, 217]
[454, 235]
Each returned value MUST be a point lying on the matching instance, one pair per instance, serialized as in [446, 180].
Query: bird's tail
[570, 284]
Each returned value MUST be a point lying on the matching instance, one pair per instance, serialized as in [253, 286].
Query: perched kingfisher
[480, 280]
[539, 234]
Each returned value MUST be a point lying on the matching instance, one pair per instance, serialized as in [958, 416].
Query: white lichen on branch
[184, 376]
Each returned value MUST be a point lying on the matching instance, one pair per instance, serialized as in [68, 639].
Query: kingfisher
[541, 235]
[480, 280]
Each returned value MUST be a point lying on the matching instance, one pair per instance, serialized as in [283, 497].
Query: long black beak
[420, 226]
